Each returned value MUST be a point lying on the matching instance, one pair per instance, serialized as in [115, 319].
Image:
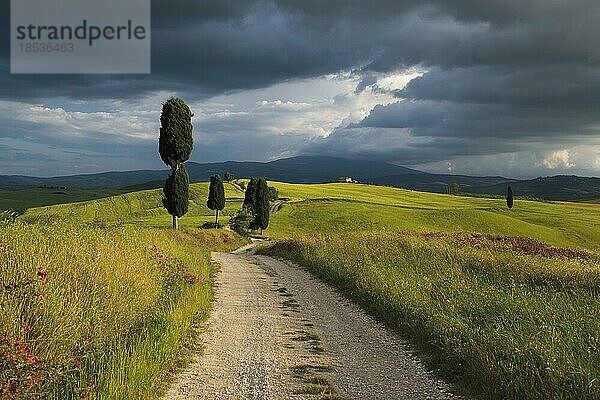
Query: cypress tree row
[176, 197]
[175, 145]
[216, 196]
[262, 205]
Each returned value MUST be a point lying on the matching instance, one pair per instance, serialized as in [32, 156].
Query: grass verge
[99, 313]
[501, 317]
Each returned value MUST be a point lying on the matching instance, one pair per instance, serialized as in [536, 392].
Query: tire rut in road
[258, 344]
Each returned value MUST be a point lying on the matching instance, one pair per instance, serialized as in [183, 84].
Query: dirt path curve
[278, 333]
[237, 186]
[276, 206]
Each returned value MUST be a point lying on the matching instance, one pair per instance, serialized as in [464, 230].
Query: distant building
[347, 179]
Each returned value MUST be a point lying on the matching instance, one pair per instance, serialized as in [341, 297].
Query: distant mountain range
[315, 169]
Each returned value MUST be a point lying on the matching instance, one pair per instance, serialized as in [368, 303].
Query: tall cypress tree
[216, 196]
[262, 205]
[250, 195]
[509, 198]
[176, 193]
[175, 146]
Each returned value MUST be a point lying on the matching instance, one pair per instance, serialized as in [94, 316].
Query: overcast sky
[483, 87]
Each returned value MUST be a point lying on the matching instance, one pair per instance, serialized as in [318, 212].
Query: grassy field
[341, 208]
[143, 208]
[88, 309]
[502, 318]
[501, 315]
[21, 200]
[96, 297]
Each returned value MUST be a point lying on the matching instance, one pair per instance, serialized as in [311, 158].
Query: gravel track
[278, 333]
[276, 206]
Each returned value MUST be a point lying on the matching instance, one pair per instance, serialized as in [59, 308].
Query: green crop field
[502, 302]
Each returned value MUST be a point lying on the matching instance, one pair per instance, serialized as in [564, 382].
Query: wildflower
[42, 274]
[26, 328]
[91, 387]
[77, 363]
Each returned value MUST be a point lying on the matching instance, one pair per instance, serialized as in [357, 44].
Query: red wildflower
[25, 327]
[42, 274]
[91, 387]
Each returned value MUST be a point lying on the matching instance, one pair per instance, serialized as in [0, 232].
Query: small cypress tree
[229, 176]
[262, 205]
[509, 198]
[176, 194]
[175, 145]
[216, 196]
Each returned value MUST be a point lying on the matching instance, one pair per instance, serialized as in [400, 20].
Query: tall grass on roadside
[501, 317]
[102, 313]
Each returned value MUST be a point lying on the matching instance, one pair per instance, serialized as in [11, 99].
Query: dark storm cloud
[526, 79]
[208, 47]
[501, 75]
[484, 110]
[202, 49]
[485, 102]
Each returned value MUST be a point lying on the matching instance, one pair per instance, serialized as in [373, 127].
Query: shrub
[455, 188]
[242, 221]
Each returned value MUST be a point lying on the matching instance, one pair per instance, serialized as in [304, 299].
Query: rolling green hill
[340, 208]
[337, 208]
[467, 280]
[141, 208]
[21, 200]
[504, 303]
[89, 308]
[316, 169]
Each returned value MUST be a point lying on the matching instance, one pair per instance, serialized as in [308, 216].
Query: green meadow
[504, 303]
[21, 200]
[342, 208]
[98, 303]
[143, 208]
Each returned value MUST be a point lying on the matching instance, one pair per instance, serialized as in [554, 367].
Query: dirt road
[278, 333]
[276, 206]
